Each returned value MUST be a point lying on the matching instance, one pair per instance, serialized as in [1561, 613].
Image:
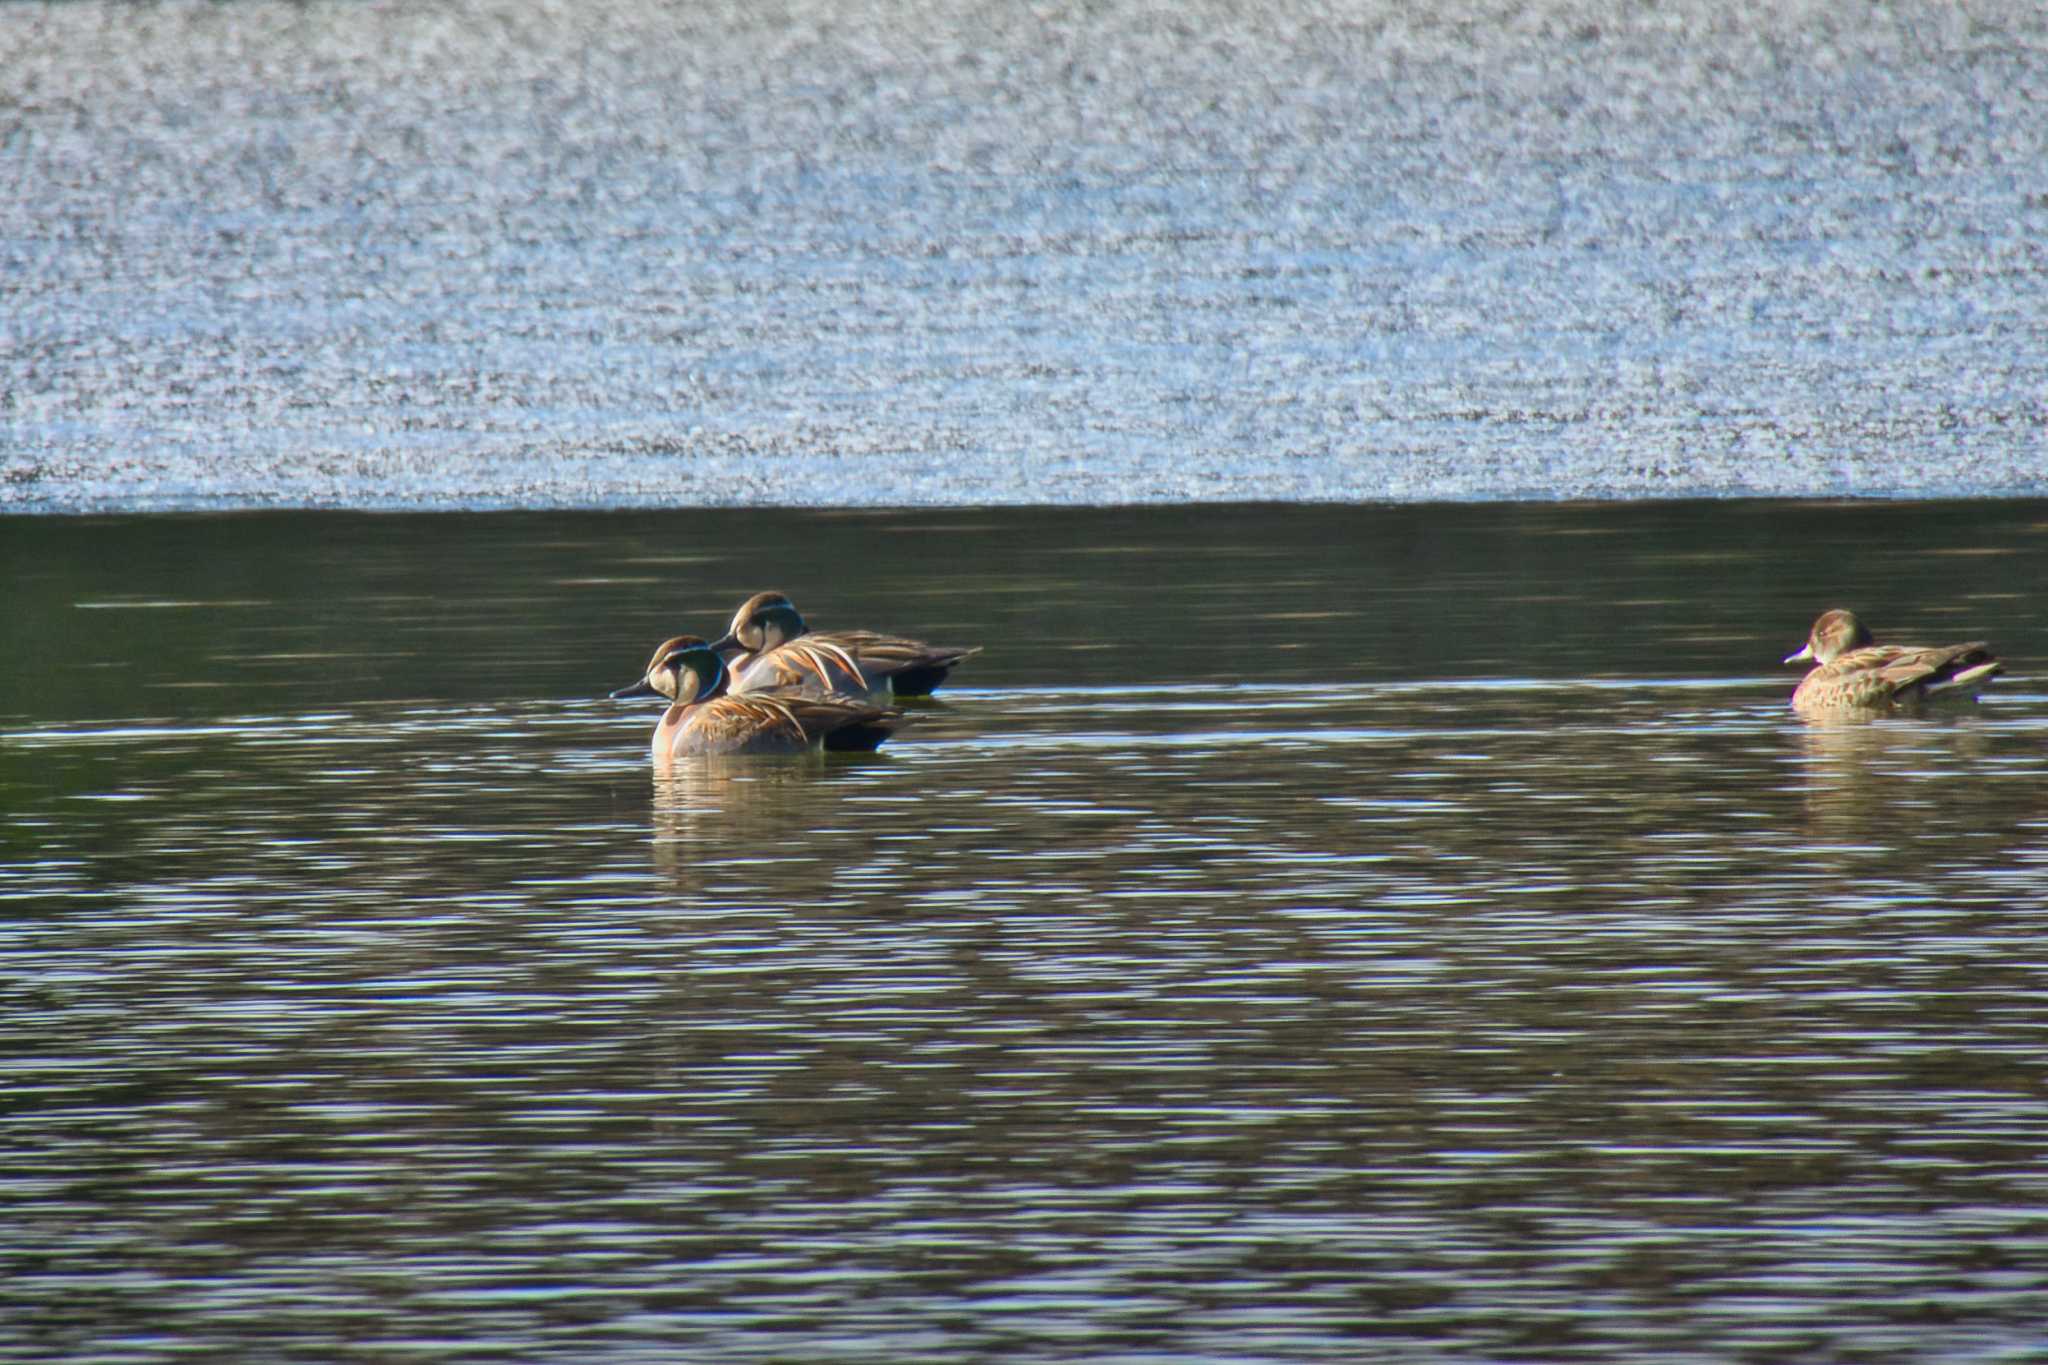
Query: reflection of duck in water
[704, 807]
[1874, 781]
[1853, 675]
[703, 718]
[778, 652]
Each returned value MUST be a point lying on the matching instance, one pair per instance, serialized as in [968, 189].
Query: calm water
[1303, 933]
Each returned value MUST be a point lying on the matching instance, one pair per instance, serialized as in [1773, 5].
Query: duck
[771, 649]
[704, 718]
[1851, 673]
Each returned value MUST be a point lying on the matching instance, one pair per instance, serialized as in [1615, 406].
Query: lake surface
[1303, 933]
[489, 253]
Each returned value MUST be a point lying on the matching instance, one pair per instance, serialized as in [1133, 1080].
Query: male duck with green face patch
[703, 718]
[1852, 676]
[770, 649]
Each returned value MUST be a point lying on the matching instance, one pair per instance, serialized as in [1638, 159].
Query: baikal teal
[1301, 933]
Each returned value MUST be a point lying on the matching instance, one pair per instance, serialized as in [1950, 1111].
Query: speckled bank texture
[488, 254]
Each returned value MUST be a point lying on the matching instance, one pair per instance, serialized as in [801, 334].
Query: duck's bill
[724, 644]
[1801, 657]
[643, 688]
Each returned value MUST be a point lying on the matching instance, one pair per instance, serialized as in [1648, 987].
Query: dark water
[1302, 934]
[827, 252]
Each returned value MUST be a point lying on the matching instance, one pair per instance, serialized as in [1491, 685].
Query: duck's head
[1834, 634]
[763, 621]
[684, 670]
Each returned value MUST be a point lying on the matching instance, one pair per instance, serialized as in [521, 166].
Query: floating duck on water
[1852, 674]
[705, 718]
[770, 649]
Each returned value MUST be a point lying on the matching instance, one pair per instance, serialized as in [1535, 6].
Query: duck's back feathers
[808, 666]
[1876, 677]
[852, 663]
[911, 668]
[764, 724]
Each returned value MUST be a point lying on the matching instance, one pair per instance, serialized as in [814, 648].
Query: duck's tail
[1968, 668]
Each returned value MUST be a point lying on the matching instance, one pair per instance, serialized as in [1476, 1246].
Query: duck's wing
[1878, 676]
[912, 667]
[808, 665]
[844, 722]
[1922, 671]
[741, 725]
[762, 723]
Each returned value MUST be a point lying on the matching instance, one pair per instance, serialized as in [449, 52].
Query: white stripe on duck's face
[692, 673]
[766, 620]
[684, 670]
[657, 678]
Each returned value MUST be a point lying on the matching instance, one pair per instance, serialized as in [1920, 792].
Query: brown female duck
[1852, 674]
[773, 650]
[703, 718]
